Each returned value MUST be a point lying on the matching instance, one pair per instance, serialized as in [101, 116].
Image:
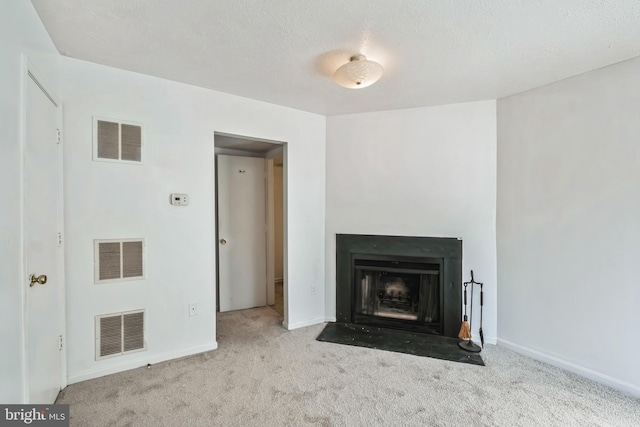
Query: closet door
[241, 232]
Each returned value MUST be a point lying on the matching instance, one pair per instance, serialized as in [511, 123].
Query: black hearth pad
[426, 345]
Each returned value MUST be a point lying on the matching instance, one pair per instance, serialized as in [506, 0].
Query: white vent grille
[130, 142]
[109, 261]
[119, 333]
[132, 331]
[132, 259]
[108, 140]
[117, 140]
[110, 336]
[118, 260]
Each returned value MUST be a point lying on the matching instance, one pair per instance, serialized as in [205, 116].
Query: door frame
[29, 71]
[282, 148]
[269, 157]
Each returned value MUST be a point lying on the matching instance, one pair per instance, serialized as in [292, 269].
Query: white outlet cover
[193, 309]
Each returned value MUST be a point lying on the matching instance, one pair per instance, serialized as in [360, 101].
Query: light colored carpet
[264, 375]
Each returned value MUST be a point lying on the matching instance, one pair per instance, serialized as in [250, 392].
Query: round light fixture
[359, 72]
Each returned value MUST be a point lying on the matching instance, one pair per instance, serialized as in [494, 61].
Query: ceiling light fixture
[359, 72]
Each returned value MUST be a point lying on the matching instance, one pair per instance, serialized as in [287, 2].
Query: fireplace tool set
[465, 330]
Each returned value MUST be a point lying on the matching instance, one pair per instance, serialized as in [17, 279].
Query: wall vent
[120, 333]
[118, 260]
[115, 140]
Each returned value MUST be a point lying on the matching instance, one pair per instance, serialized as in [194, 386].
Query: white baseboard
[137, 363]
[297, 325]
[571, 367]
[329, 319]
[488, 340]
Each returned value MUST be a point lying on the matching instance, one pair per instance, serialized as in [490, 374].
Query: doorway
[250, 223]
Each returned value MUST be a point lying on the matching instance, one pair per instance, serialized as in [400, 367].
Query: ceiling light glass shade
[359, 72]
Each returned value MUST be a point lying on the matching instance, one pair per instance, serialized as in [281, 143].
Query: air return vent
[117, 140]
[119, 333]
[117, 260]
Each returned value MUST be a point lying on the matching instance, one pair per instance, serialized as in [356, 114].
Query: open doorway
[250, 223]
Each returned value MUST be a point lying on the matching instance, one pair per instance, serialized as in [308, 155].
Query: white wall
[108, 200]
[21, 32]
[568, 226]
[417, 172]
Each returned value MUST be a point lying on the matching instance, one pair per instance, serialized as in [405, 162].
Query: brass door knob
[223, 241]
[41, 279]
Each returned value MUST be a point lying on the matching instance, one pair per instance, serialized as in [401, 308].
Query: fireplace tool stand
[468, 344]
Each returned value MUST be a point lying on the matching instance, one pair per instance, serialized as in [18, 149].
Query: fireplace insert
[398, 292]
[399, 282]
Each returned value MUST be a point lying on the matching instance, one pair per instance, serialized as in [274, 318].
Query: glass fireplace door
[393, 293]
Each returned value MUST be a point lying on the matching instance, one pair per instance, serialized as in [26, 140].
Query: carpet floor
[263, 375]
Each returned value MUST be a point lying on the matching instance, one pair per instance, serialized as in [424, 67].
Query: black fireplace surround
[409, 283]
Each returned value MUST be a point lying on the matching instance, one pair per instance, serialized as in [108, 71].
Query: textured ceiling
[284, 52]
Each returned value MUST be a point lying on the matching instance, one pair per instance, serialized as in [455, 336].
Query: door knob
[41, 279]
[223, 241]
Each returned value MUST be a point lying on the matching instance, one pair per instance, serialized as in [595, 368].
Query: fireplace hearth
[408, 283]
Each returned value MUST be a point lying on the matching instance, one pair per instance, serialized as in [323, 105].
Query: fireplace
[409, 283]
[398, 292]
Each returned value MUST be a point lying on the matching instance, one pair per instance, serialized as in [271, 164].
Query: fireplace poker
[481, 304]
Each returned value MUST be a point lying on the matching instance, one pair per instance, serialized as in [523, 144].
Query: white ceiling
[285, 51]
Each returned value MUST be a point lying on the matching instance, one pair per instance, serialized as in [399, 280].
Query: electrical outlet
[193, 310]
[313, 289]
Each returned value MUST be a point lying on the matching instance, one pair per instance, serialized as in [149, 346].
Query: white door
[42, 218]
[242, 243]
